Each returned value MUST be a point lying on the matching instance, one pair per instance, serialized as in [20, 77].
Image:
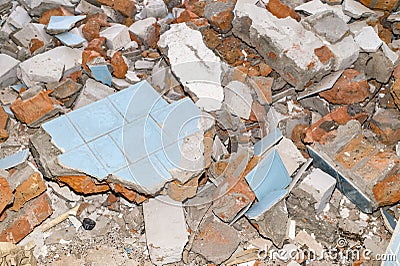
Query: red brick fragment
[59, 11]
[128, 194]
[29, 189]
[84, 184]
[387, 191]
[281, 10]
[5, 193]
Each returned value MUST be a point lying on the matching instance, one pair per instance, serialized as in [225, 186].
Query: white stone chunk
[320, 185]
[389, 53]
[19, 18]
[316, 6]
[155, 9]
[290, 155]
[92, 92]
[368, 40]
[29, 32]
[8, 70]
[196, 66]
[166, 232]
[132, 77]
[356, 26]
[346, 53]
[238, 99]
[117, 36]
[355, 9]
[140, 27]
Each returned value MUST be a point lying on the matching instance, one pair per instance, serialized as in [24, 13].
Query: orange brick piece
[5, 193]
[84, 184]
[29, 189]
[30, 110]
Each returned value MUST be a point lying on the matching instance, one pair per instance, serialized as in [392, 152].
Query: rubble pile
[244, 132]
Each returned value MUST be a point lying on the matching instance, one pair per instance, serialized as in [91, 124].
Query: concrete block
[31, 31]
[320, 185]
[8, 71]
[117, 36]
[140, 27]
[19, 18]
[355, 9]
[166, 233]
[155, 9]
[91, 92]
[296, 54]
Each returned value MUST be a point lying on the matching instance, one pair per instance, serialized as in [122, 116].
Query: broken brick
[59, 11]
[29, 189]
[395, 91]
[3, 118]
[91, 29]
[181, 192]
[281, 10]
[30, 110]
[119, 66]
[386, 124]
[186, 16]
[88, 56]
[356, 150]
[5, 193]
[84, 184]
[347, 89]
[35, 44]
[128, 194]
[98, 45]
[324, 54]
[377, 165]
[15, 227]
[387, 191]
[230, 197]
[223, 20]
[126, 7]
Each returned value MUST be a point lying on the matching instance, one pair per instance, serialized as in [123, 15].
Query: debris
[59, 24]
[14, 160]
[46, 226]
[368, 40]
[9, 70]
[88, 224]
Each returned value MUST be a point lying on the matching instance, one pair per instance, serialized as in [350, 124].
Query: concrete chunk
[295, 53]
[346, 53]
[165, 226]
[117, 36]
[320, 185]
[238, 99]
[140, 27]
[355, 9]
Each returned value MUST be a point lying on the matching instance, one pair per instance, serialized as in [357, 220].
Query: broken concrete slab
[238, 99]
[165, 240]
[29, 32]
[325, 84]
[92, 92]
[298, 57]
[8, 72]
[196, 66]
[355, 9]
[154, 9]
[320, 185]
[346, 52]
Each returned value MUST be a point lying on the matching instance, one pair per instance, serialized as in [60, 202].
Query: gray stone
[346, 53]
[284, 43]
[368, 40]
[379, 67]
[117, 36]
[140, 27]
[155, 9]
[327, 25]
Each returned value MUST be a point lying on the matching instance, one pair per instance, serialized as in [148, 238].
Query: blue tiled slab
[63, 134]
[14, 160]
[107, 152]
[82, 159]
[70, 39]
[96, 119]
[101, 74]
[63, 23]
[137, 101]
[183, 113]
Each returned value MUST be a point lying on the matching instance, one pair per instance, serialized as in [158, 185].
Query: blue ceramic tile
[18, 87]
[14, 160]
[63, 134]
[269, 175]
[149, 174]
[96, 119]
[137, 101]
[170, 156]
[63, 23]
[70, 39]
[265, 203]
[82, 159]
[141, 138]
[125, 174]
[101, 74]
[343, 184]
[179, 119]
[108, 153]
[117, 137]
[267, 142]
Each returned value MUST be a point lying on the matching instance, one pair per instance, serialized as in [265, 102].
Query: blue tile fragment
[107, 152]
[101, 74]
[62, 23]
[18, 87]
[267, 142]
[96, 119]
[137, 101]
[82, 159]
[70, 39]
[57, 129]
[14, 160]
[342, 183]
[269, 180]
